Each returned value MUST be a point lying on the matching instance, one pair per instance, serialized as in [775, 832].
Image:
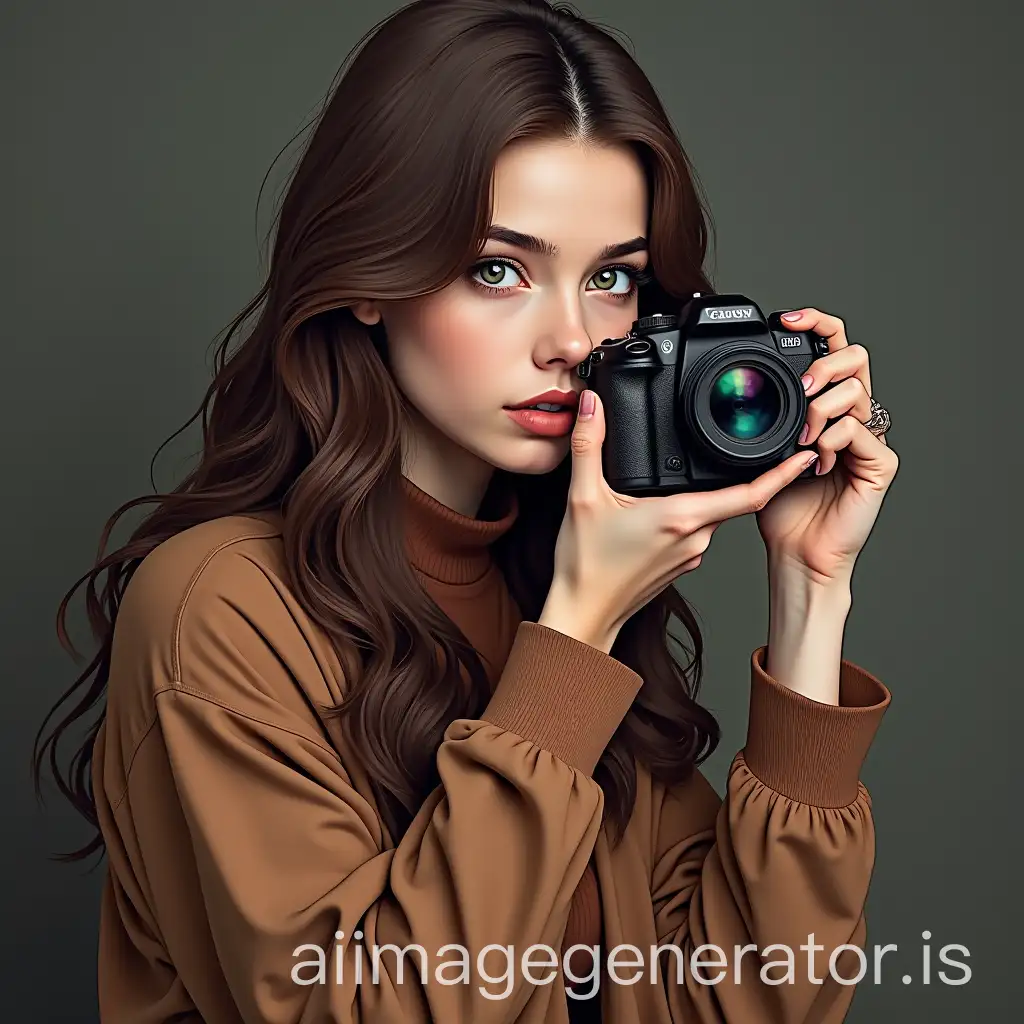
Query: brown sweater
[240, 827]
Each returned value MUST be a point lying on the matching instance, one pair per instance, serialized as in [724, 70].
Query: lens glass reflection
[745, 403]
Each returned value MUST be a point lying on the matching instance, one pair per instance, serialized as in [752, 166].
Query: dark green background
[860, 157]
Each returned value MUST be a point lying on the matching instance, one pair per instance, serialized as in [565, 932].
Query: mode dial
[655, 322]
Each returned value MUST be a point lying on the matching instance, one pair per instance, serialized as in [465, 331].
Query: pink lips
[547, 424]
[544, 424]
[550, 397]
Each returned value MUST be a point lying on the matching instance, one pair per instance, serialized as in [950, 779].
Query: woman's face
[557, 275]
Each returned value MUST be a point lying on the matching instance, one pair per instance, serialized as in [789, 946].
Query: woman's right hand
[616, 552]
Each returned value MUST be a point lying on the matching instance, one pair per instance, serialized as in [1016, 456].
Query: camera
[701, 399]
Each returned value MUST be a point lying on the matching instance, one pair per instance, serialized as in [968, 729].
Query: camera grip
[627, 451]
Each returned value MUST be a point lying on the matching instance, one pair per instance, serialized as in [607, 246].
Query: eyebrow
[531, 243]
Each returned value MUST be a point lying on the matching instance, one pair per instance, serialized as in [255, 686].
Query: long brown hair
[390, 200]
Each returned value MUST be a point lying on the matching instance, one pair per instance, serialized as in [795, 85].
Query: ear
[366, 311]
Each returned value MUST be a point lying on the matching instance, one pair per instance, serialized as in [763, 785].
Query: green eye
[612, 279]
[496, 274]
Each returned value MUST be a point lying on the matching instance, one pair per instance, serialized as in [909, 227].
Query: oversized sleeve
[758, 893]
[307, 912]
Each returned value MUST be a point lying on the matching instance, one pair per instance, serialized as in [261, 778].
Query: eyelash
[636, 275]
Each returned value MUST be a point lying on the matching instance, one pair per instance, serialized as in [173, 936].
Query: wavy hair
[391, 199]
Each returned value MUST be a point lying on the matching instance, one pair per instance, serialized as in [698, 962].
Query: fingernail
[820, 469]
[791, 317]
[804, 433]
[587, 404]
[810, 462]
[807, 380]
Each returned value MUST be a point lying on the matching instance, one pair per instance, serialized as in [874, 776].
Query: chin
[531, 457]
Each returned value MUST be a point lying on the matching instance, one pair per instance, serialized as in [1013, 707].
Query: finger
[585, 444]
[851, 361]
[847, 398]
[693, 510]
[872, 460]
[829, 327]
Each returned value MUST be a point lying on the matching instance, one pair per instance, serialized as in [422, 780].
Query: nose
[564, 341]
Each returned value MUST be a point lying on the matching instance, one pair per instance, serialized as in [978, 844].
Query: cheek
[450, 347]
[613, 321]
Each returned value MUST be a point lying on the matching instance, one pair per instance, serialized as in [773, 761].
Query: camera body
[703, 399]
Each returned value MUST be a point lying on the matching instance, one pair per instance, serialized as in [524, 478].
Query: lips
[565, 400]
[551, 414]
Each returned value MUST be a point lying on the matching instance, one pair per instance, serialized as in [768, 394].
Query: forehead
[568, 192]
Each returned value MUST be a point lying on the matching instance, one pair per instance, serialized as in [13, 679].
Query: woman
[391, 667]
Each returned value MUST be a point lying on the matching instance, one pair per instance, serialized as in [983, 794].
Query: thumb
[587, 439]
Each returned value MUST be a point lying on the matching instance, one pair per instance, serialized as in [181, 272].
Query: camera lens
[741, 403]
[744, 402]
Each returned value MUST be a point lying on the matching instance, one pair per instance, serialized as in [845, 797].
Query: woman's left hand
[817, 527]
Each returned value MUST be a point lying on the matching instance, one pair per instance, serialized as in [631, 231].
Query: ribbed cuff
[562, 694]
[808, 751]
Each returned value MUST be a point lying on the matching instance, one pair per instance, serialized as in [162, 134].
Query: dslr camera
[702, 399]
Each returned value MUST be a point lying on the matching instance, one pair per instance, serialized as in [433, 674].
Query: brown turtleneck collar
[448, 546]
